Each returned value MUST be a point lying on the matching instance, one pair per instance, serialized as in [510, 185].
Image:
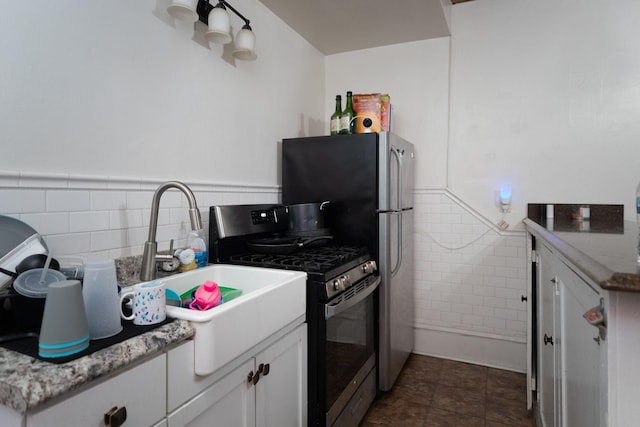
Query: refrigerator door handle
[397, 154]
[398, 263]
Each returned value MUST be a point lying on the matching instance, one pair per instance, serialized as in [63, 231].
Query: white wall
[100, 102]
[545, 96]
[117, 88]
[416, 75]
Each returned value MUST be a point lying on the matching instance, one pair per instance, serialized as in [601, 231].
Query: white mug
[148, 303]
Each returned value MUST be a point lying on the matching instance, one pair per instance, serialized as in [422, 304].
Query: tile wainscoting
[108, 217]
[469, 275]
[469, 279]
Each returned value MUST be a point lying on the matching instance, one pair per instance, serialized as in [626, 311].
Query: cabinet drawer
[142, 390]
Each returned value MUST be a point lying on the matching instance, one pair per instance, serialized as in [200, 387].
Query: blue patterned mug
[148, 303]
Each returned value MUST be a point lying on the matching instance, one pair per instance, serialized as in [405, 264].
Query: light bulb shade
[183, 10]
[245, 44]
[219, 26]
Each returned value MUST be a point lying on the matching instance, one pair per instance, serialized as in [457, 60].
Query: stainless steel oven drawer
[359, 403]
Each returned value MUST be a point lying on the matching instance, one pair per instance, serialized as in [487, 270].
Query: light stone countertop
[27, 382]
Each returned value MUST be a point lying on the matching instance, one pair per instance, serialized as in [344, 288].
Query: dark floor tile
[459, 400]
[395, 412]
[509, 412]
[433, 392]
[441, 418]
[466, 375]
[420, 369]
[506, 385]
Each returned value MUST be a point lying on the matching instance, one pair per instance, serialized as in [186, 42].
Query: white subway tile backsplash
[472, 320]
[48, 223]
[137, 236]
[502, 313]
[14, 201]
[126, 219]
[495, 302]
[516, 325]
[487, 268]
[494, 323]
[452, 317]
[108, 216]
[107, 240]
[179, 215]
[142, 200]
[69, 244]
[469, 275]
[483, 311]
[68, 201]
[109, 200]
[484, 291]
[472, 299]
[88, 221]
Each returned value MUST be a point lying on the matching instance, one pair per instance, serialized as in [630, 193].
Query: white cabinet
[281, 396]
[265, 389]
[266, 386]
[549, 397]
[140, 391]
[581, 353]
[228, 402]
[571, 353]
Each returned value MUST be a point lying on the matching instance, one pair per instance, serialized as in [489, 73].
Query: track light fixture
[218, 23]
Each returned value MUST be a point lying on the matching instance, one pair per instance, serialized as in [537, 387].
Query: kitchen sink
[271, 299]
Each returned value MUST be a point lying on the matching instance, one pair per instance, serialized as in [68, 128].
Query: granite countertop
[26, 382]
[604, 251]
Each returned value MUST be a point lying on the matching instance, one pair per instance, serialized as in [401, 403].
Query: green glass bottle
[335, 117]
[347, 119]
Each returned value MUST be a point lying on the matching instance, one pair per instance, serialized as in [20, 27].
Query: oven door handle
[332, 310]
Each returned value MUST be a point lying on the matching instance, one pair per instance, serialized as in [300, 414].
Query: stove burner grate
[317, 259]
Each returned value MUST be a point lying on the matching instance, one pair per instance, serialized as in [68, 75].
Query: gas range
[333, 267]
[341, 283]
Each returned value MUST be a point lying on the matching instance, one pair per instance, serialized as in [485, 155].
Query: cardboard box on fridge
[372, 112]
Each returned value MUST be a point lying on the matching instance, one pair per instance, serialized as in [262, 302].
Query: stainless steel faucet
[150, 256]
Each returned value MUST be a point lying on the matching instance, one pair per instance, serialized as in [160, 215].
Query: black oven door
[349, 344]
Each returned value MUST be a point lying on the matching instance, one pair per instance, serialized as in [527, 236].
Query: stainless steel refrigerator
[368, 181]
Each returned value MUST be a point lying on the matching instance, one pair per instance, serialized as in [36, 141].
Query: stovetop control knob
[369, 267]
[336, 285]
[346, 281]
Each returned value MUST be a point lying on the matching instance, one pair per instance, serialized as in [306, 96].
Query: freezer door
[396, 172]
[396, 311]
[343, 170]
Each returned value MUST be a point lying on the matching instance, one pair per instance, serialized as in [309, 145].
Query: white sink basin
[271, 299]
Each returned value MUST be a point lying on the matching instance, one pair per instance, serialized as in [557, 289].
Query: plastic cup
[101, 300]
[64, 330]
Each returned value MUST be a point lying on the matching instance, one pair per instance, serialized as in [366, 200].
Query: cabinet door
[228, 402]
[547, 340]
[581, 346]
[141, 390]
[281, 395]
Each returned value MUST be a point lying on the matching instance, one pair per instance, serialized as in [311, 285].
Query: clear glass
[101, 300]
